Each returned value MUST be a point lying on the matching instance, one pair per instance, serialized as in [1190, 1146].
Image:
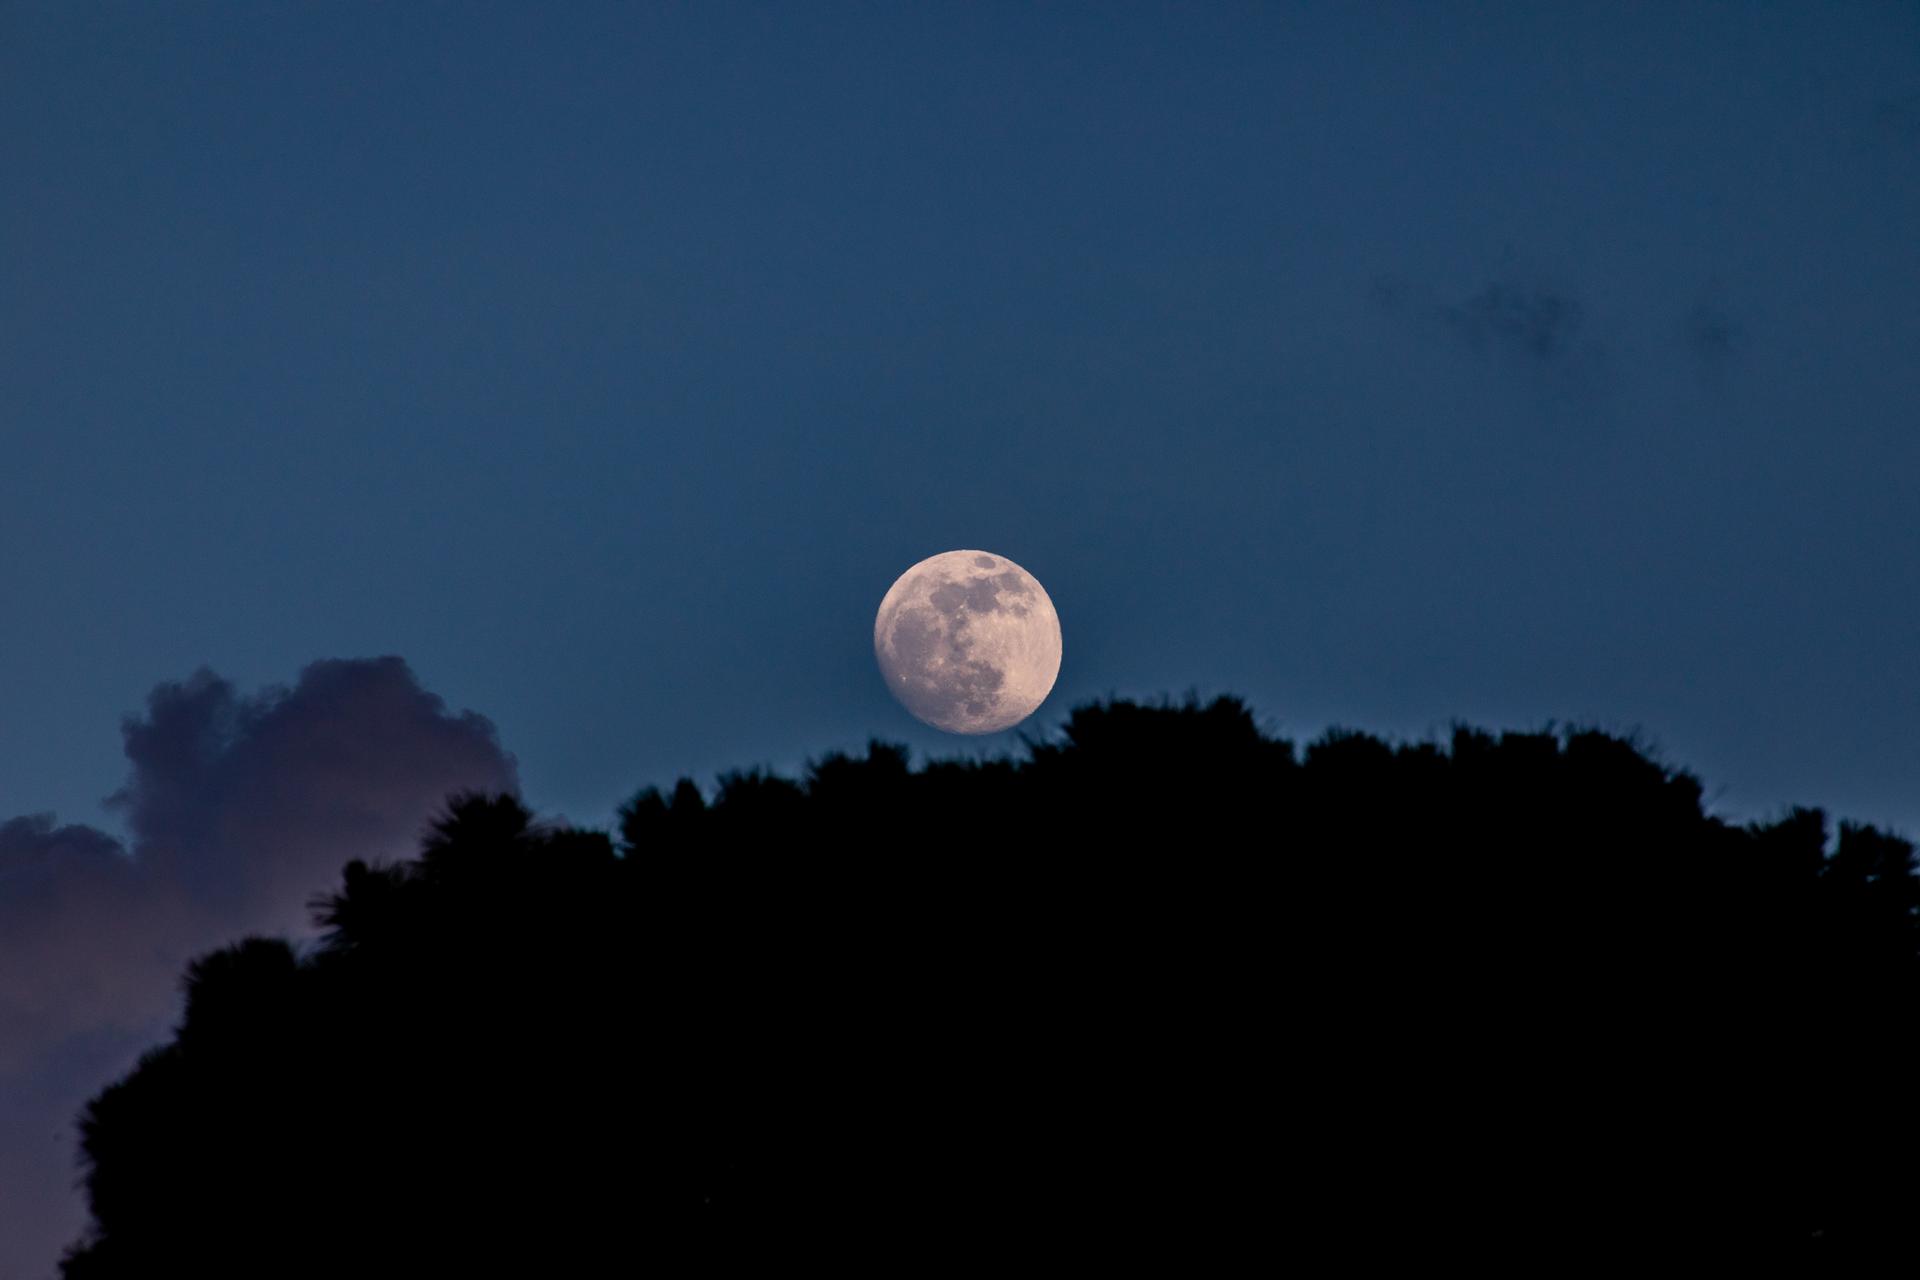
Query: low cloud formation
[253, 803]
[240, 808]
[77, 926]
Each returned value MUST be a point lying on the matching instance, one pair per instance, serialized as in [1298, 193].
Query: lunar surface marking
[968, 641]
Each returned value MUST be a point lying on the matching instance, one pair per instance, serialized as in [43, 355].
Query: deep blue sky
[1385, 364]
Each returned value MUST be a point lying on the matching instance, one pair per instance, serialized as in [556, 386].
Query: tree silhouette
[1163, 991]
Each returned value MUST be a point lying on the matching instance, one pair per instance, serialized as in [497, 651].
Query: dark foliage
[1164, 992]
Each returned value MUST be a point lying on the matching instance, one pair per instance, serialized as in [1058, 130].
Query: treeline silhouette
[1164, 991]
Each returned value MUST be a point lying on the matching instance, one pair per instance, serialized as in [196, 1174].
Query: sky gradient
[1386, 365]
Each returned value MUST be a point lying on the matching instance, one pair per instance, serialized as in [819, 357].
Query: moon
[968, 642]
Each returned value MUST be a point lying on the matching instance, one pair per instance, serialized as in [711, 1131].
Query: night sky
[604, 365]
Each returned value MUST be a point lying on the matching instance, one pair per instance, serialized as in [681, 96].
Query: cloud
[239, 809]
[1899, 118]
[254, 802]
[1710, 332]
[1528, 329]
[1531, 321]
[76, 927]
[32, 847]
[1546, 335]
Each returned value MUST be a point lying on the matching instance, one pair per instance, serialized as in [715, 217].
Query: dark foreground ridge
[1166, 991]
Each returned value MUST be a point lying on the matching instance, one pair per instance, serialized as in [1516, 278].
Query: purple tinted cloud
[240, 808]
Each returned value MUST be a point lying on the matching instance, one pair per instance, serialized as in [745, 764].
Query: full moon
[968, 642]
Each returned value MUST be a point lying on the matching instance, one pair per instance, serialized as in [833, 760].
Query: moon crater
[968, 642]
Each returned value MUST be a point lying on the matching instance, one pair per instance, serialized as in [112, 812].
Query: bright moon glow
[968, 642]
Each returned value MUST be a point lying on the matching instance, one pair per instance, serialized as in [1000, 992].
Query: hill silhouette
[1165, 990]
